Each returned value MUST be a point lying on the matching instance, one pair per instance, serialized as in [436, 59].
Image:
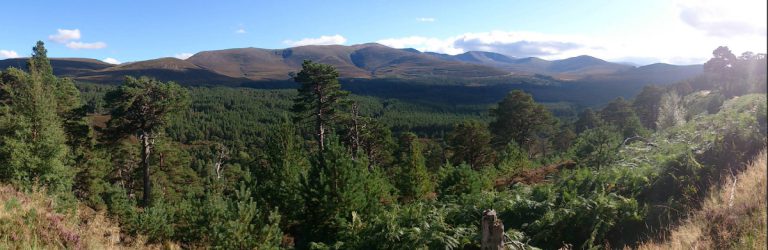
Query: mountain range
[236, 67]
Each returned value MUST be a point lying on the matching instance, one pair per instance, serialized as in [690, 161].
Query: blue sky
[642, 32]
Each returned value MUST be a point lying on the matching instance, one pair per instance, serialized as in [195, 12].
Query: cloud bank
[8, 54]
[322, 40]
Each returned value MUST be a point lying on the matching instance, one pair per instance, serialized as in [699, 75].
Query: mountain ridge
[236, 66]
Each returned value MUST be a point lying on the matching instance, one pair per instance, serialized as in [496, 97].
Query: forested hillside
[164, 164]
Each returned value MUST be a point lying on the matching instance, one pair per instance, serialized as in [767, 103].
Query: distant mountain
[357, 61]
[61, 66]
[236, 67]
[165, 69]
[585, 65]
[569, 69]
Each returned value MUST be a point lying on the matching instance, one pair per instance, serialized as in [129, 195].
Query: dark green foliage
[732, 75]
[414, 226]
[33, 143]
[39, 64]
[619, 113]
[597, 147]
[588, 119]
[320, 96]
[171, 176]
[470, 142]
[242, 225]
[513, 159]
[368, 136]
[91, 182]
[462, 179]
[278, 176]
[520, 119]
[646, 105]
[335, 187]
[563, 140]
[143, 105]
[140, 107]
[411, 177]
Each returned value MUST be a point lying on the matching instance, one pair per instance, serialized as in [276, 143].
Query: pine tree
[320, 96]
[588, 119]
[470, 142]
[32, 140]
[140, 107]
[412, 178]
[278, 176]
[597, 147]
[520, 119]
[646, 105]
[334, 189]
[619, 113]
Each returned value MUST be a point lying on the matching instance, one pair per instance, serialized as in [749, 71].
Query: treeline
[318, 168]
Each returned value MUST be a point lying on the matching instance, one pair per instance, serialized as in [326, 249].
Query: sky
[632, 31]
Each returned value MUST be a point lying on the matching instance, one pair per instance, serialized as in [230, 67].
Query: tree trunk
[355, 132]
[493, 231]
[146, 147]
[321, 134]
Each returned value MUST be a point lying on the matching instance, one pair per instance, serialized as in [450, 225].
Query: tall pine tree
[140, 107]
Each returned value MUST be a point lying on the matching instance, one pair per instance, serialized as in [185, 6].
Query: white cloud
[183, 56]
[240, 31]
[423, 44]
[426, 19]
[64, 35]
[8, 54]
[71, 39]
[82, 45]
[322, 40]
[725, 18]
[110, 60]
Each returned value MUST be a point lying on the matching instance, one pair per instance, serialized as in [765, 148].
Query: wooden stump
[493, 231]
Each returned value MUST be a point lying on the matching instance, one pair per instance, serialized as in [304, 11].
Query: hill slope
[734, 216]
[30, 221]
[61, 66]
[166, 69]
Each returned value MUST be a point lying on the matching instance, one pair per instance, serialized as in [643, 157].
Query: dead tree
[493, 231]
[222, 156]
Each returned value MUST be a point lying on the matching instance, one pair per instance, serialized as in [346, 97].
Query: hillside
[165, 69]
[61, 66]
[733, 217]
[30, 220]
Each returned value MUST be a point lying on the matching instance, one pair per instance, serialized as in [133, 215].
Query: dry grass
[29, 221]
[733, 217]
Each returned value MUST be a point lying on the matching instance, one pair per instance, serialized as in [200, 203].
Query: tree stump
[493, 231]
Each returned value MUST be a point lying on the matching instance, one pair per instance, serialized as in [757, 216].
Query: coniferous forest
[168, 165]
